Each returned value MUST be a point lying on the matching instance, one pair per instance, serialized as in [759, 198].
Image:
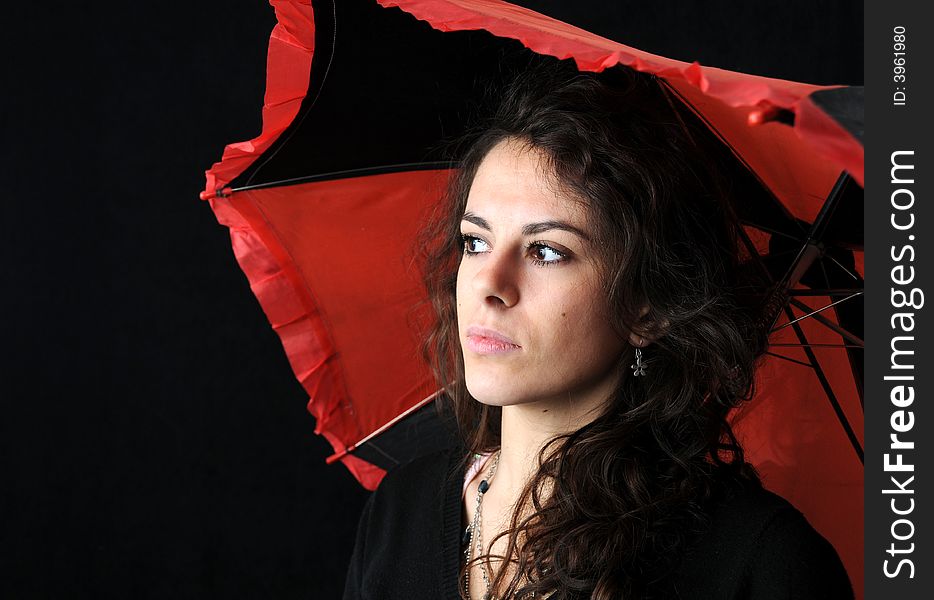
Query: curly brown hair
[628, 491]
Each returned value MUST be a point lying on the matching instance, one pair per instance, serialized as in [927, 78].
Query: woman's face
[531, 317]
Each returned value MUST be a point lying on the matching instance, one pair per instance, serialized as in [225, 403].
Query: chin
[482, 395]
[487, 391]
[491, 391]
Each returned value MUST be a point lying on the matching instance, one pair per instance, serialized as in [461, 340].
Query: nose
[496, 279]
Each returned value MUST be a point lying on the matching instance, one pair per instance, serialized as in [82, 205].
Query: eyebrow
[530, 228]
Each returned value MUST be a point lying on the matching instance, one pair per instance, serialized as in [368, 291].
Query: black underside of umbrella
[385, 88]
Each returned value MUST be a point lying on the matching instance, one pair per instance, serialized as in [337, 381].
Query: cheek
[582, 327]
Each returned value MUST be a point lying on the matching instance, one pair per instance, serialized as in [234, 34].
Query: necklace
[474, 530]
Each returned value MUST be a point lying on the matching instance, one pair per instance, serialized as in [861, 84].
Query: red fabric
[343, 294]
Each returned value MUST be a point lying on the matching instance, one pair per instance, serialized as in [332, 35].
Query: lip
[489, 341]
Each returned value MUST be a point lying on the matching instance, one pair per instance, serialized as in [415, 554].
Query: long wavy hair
[627, 492]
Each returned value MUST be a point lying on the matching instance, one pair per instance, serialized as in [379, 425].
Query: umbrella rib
[829, 324]
[823, 308]
[775, 232]
[824, 292]
[812, 248]
[845, 270]
[349, 172]
[789, 359]
[851, 358]
[338, 455]
[372, 444]
[822, 378]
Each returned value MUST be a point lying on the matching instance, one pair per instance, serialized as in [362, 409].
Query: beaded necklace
[473, 531]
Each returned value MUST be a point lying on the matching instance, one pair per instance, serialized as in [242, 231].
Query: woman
[595, 326]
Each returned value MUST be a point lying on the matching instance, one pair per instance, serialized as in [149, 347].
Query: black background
[154, 441]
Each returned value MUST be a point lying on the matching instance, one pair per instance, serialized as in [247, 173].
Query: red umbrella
[324, 204]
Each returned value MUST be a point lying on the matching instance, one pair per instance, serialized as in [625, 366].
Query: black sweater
[759, 545]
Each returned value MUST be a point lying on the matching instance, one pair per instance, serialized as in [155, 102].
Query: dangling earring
[638, 368]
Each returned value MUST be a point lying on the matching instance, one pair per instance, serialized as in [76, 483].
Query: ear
[640, 336]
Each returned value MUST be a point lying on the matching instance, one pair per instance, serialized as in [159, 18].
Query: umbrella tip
[218, 193]
[339, 455]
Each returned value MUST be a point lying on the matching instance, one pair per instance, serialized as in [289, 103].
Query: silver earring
[638, 368]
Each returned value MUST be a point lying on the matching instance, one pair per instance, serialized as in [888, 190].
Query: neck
[525, 430]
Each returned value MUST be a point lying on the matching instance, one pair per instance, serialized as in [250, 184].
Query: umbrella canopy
[325, 204]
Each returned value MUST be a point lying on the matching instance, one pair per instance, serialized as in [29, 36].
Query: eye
[473, 244]
[544, 255]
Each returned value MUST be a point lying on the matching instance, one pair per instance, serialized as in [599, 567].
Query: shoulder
[760, 546]
[417, 486]
[740, 508]
[423, 473]
[407, 516]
